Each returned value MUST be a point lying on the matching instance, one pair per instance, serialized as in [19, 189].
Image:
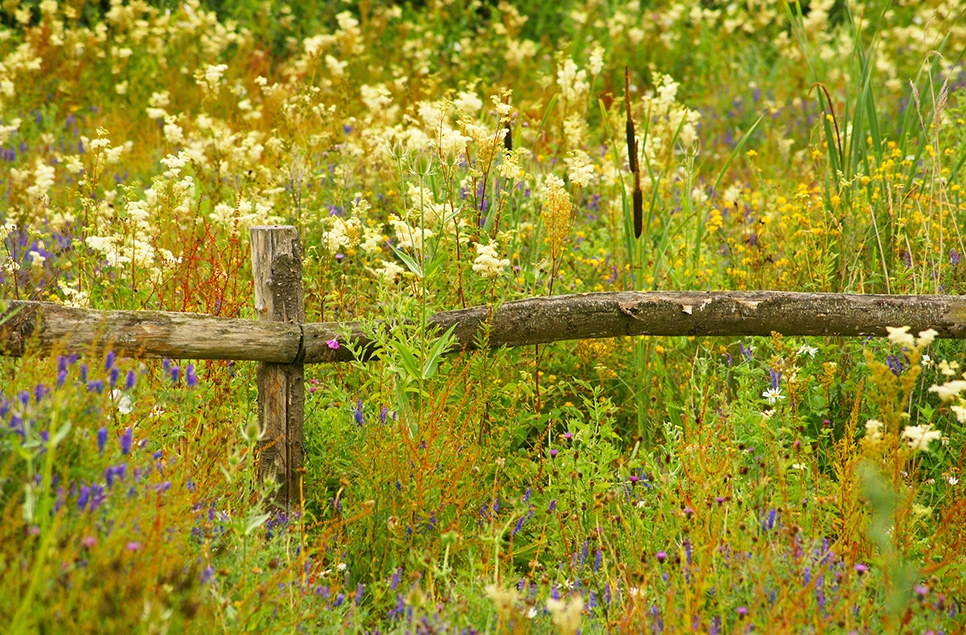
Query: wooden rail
[282, 342]
[47, 327]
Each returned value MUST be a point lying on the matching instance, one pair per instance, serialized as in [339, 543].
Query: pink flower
[333, 344]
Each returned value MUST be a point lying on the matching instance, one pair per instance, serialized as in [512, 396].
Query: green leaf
[408, 261]
[410, 365]
[60, 434]
[253, 523]
[431, 363]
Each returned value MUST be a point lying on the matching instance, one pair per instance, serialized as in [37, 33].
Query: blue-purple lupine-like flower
[190, 377]
[113, 472]
[745, 352]
[894, 365]
[357, 413]
[126, 438]
[131, 380]
[101, 439]
[90, 497]
[109, 360]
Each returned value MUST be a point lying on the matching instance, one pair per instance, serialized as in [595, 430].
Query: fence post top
[271, 227]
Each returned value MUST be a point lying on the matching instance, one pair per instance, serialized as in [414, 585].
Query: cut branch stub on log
[277, 269]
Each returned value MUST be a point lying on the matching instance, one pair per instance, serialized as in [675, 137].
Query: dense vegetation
[448, 154]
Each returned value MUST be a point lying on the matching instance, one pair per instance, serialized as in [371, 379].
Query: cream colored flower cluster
[670, 121]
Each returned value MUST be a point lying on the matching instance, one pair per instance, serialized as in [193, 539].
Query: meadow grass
[439, 155]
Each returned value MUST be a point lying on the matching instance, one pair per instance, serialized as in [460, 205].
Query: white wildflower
[488, 263]
[336, 68]
[580, 169]
[572, 82]
[732, 195]
[773, 395]
[452, 143]
[950, 390]
[123, 401]
[389, 271]
[36, 259]
[596, 62]
[510, 167]
[566, 615]
[948, 368]
[926, 337]
[172, 131]
[468, 103]
[918, 437]
[901, 336]
[873, 430]
[805, 349]
[210, 78]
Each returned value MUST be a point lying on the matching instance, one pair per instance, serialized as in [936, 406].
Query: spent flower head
[557, 213]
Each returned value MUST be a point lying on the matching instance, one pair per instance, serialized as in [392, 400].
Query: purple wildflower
[126, 439]
[189, 376]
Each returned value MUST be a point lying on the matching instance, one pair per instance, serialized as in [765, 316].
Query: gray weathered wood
[522, 322]
[277, 269]
[50, 328]
[600, 315]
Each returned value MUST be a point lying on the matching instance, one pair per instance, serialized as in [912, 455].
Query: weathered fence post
[277, 269]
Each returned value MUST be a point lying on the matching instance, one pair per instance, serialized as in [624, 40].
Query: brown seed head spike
[631, 142]
[508, 139]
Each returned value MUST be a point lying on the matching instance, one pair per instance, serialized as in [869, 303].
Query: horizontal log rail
[52, 327]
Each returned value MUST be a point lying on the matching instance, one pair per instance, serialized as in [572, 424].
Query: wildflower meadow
[444, 154]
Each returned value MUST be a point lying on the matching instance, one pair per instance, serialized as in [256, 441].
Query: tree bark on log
[48, 328]
[668, 313]
[522, 322]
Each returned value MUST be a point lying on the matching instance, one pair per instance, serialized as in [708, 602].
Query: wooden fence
[283, 343]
